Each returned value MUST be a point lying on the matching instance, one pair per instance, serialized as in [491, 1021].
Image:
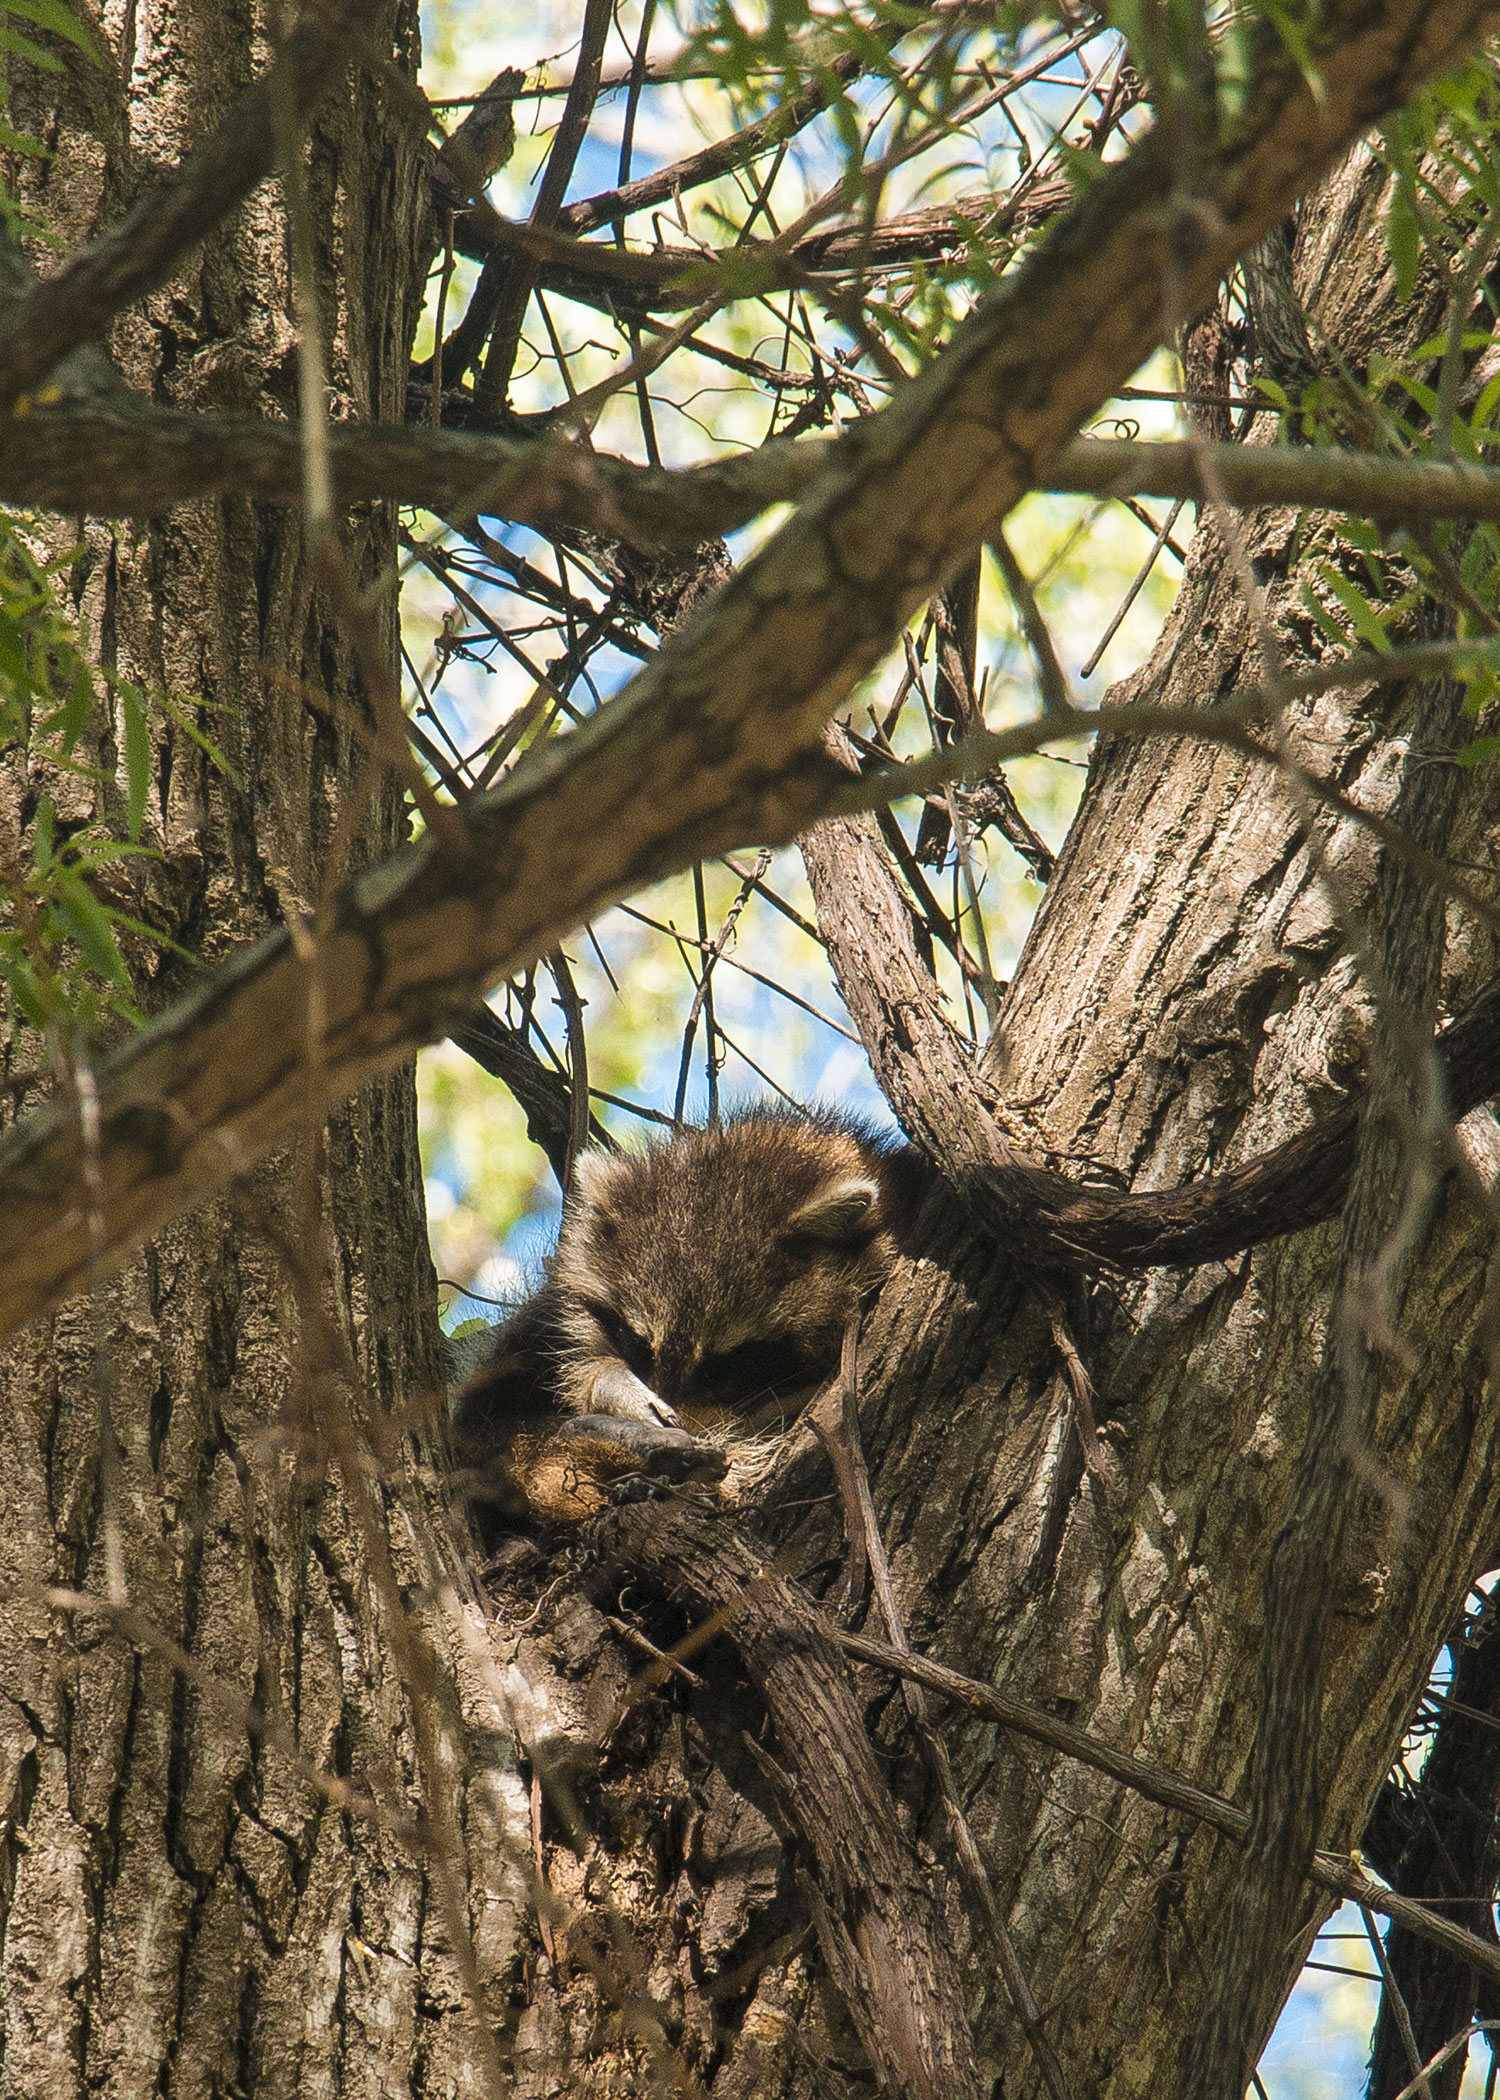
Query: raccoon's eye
[755, 1367]
[633, 1349]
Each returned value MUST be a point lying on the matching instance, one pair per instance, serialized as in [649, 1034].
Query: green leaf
[1298, 49]
[42, 833]
[27, 992]
[1081, 167]
[137, 757]
[93, 853]
[51, 14]
[184, 720]
[1436, 345]
[155, 936]
[1322, 618]
[1424, 396]
[88, 922]
[1367, 621]
[18, 142]
[34, 54]
[78, 703]
[1480, 752]
[1403, 235]
[1480, 686]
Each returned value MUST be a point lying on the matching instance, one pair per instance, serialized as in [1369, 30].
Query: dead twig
[1080, 1389]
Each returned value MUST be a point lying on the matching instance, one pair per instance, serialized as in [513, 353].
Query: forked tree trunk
[1188, 999]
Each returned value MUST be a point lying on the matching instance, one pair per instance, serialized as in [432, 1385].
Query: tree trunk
[188, 1905]
[1186, 1000]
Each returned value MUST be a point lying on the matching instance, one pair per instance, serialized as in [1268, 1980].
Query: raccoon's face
[722, 1267]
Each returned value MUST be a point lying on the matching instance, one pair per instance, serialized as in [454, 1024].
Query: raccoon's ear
[593, 1171]
[848, 1209]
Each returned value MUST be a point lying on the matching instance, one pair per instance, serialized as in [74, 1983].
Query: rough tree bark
[180, 1911]
[1187, 998]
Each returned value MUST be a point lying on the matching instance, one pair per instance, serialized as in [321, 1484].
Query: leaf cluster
[60, 955]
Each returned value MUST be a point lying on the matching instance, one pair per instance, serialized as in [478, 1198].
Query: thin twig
[1229, 722]
[1451, 2047]
[1080, 1388]
[1056, 699]
[505, 333]
[733, 962]
[1397, 2004]
[1338, 1873]
[1163, 535]
[578, 1062]
[710, 953]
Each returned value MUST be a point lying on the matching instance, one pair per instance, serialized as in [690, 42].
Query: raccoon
[697, 1298]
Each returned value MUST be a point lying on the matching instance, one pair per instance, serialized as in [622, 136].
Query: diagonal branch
[873, 1906]
[514, 288]
[940, 1096]
[608, 207]
[76, 304]
[544, 1096]
[666, 279]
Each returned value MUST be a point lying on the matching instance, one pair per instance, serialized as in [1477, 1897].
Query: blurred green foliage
[60, 960]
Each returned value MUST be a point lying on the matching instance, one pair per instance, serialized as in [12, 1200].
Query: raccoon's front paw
[661, 1454]
[676, 1457]
[577, 1468]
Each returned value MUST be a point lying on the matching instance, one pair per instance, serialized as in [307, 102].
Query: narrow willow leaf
[51, 14]
[89, 924]
[1366, 619]
[137, 758]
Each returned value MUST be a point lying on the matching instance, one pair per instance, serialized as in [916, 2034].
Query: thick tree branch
[76, 304]
[130, 459]
[875, 1914]
[127, 458]
[945, 1102]
[717, 740]
[1311, 477]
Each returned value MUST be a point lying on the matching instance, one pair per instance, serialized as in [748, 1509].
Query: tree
[1187, 1483]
